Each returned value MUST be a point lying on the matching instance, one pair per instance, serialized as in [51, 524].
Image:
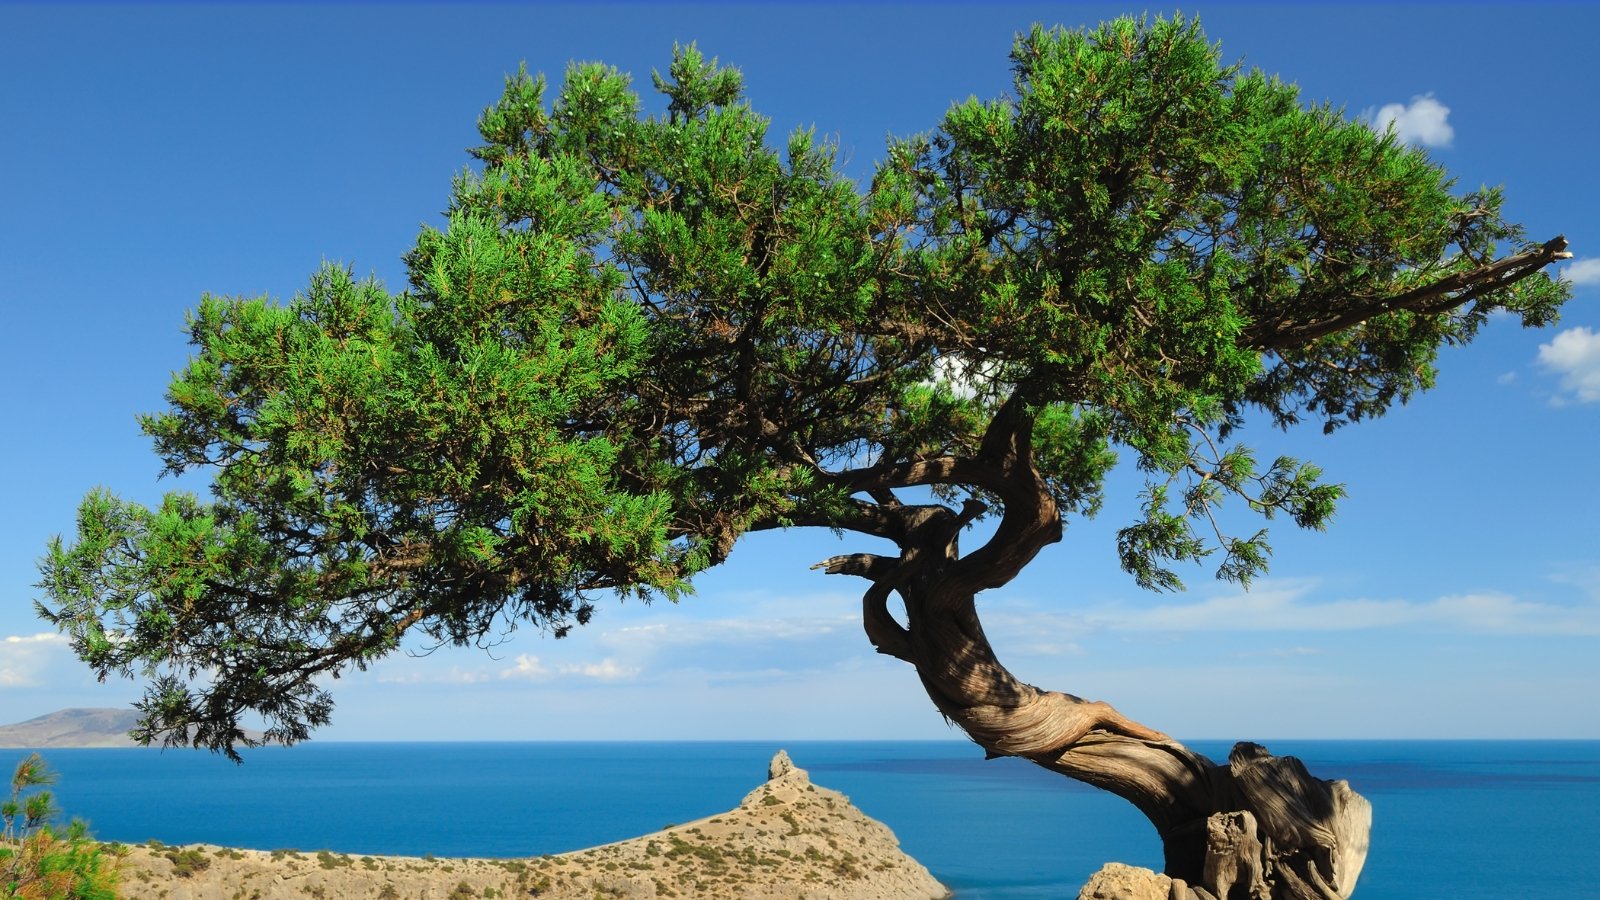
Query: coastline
[989, 830]
[788, 839]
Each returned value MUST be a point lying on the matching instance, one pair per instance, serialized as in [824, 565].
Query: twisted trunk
[1259, 828]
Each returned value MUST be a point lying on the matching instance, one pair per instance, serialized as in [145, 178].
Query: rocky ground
[787, 840]
[1117, 881]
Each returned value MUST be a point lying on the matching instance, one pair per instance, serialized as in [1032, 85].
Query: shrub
[39, 861]
[185, 863]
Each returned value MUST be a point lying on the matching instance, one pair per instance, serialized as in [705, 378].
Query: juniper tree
[640, 336]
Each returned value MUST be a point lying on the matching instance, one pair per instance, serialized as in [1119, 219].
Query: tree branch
[875, 520]
[1441, 296]
[914, 473]
[1031, 520]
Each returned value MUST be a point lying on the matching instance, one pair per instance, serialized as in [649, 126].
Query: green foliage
[640, 335]
[42, 862]
[187, 861]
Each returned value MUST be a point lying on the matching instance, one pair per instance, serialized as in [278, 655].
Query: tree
[640, 337]
[40, 862]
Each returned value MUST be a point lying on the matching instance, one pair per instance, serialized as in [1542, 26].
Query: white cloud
[1025, 628]
[1422, 122]
[455, 675]
[1050, 648]
[526, 666]
[649, 644]
[958, 373]
[792, 643]
[24, 657]
[966, 378]
[1584, 578]
[742, 631]
[44, 637]
[1574, 354]
[529, 667]
[1581, 272]
[1288, 652]
[1284, 606]
[604, 670]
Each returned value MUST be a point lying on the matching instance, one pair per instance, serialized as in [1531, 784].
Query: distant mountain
[73, 728]
[80, 728]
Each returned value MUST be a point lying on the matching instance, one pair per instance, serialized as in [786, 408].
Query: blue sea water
[1458, 819]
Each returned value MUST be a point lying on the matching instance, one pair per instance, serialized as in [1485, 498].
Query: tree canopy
[642, 334]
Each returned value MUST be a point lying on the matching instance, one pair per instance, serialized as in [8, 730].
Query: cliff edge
[787, 840]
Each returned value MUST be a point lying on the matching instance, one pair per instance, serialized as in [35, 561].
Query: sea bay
[1463, 819]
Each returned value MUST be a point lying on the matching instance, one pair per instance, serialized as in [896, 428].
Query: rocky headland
[788, 839]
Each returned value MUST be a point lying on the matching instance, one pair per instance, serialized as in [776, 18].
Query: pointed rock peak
[783, 767]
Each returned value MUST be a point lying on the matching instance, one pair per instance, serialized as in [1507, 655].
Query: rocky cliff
[787, 840]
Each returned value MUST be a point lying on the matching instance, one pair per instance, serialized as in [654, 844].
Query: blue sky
[149, 154]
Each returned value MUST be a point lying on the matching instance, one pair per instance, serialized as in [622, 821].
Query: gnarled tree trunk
[1258, 828]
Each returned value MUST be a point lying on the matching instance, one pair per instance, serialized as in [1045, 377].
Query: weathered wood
[1318, 829]
[1309, 833]
[1234, 857]
[1292, 836]
[1352, 835]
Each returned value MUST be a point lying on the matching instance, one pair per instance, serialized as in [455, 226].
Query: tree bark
[1259, 828]
[1299, 838]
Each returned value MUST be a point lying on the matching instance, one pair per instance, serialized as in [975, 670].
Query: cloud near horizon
[1574, 354]
[43, 637]
[1283, 606]
[1424, 122]
[649, 644]
[799, 632]
[25, 656]
[733, 652]
[529, 667]
[455, 675]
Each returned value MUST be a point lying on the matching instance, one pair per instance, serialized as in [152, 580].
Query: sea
[1452, 819]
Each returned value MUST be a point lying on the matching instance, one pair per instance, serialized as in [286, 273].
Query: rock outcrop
[1117, 881]
[787, 840]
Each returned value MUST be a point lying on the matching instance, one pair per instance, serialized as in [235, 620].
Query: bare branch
[866, 565]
